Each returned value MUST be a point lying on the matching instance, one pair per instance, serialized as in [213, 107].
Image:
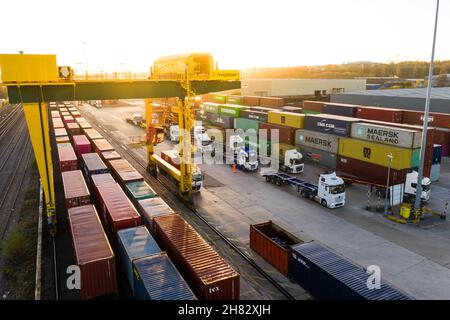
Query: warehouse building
[300, 87]
[411, 99]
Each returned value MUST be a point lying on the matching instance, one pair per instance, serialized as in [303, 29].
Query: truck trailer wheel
[323, 203]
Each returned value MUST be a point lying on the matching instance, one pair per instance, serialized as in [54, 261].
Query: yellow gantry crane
[35, 80]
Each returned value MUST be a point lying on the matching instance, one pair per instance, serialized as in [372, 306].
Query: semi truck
[244, 157]
[291, 161]
[329, 191]
[136, 120]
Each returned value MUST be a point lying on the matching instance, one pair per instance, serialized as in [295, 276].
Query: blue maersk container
[135, 243]
[156, 278]
[328, 276]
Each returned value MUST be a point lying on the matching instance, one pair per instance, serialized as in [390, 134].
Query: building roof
[436, 93]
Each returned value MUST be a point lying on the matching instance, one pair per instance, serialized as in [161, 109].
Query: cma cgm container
[328, 276]
[317, 140]
[398, 137]
[67, 157]
[315, 106]
[378, 153]
[294, 120]
[435, 119]
[340, 109]
[110, 155]
[93, 254]
[116, 211]
[285, 134]
[73, 129]
[381, 114]
[206, 272]
[231, 110]
[251, 100]
[139, 190]
[76, 192]
[151, 208]
[277, 103]
[235, 100]
[272, 243]
[132, 244]
[370, 172]
[221, 121]
[156, 278]
[330, 124]
[92, 134]
[211, 107]
[320, 157]
[93, 164]
[254, 115]
[101, 145]
[124, 171]
[81, 145]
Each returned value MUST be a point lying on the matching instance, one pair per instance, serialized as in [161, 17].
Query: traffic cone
[234, 167]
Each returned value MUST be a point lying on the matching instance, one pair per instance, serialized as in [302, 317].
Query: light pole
[390, 158]
[425, 117]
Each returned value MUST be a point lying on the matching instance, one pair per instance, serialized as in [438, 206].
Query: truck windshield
[197, 177]
[425, 188]
[337, 189]
[297, 161]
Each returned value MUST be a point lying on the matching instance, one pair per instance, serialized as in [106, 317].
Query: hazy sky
[115, 35]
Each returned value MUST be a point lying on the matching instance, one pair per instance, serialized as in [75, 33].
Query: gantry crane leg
[36, 116]
[185, 125]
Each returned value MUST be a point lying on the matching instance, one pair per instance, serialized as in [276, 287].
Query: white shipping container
[317, 140]
[387, 135]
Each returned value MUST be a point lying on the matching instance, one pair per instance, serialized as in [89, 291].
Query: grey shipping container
[221, 121]
[399, 137]
[331, 124]
[254, 115]
[340, 109]
[317, 140]
[328, 276]
[153, 207]
[322, 158]
[93, 164]
[156, 278]
[134, 243]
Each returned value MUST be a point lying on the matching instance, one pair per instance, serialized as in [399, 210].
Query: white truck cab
[331, 191]
[292, 161]
[247, 159]
[174, 133]
[197, 179]
[411, 187]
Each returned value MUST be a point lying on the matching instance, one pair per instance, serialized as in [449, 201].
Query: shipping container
[317, 140]
[97, 180]
[153, 207]
[55, 114]
[292, 109]
[315, 106]
[211, 107]
[92, 165]
[446, 150]
[139, 190]
[67, 157]
[84, 125]
[230, 110]
[76, 192]
[101, 145]
[75, 114]
[172, 157]
[263, 109]
[220, 98]
[80, 119]
[254, 115]
[340, 109]
[68, 119]
[156, 278]
[441, 136]
[372, 173]
[379, 113]
[437, 154]
[251, 101]
[246, 124]
[271, 102]
[81, 145]
[60, 132]
[93, 254]
[328, 276]
[378, 153]
[92, 134]
[320, 157]
[134, 243]
[73, 129]
[207, 273]
[285, 134]
[435, 119]
[124, 172]
[116, 209]
[221, 121]
[57, 123]
[62, 139]
[201, 116]
[272, 243]
[289, 119]
[330, 124]
[398, 137]
[235, 100]
[110, 155]
[435, 172]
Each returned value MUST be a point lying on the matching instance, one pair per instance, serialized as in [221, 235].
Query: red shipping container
[75, 189]
[124, 171]
[68, 119]
[271, 102]
[73, 129]
[98, 180]
[171, 156]
[116, 209]
[435, 119]
[442, 136]
[207, 273]
[316, 106]
[101, 145]
[81, 144]
[93, 254]
[251, 100]
[285, 134]
[67, 157]
[381, 114]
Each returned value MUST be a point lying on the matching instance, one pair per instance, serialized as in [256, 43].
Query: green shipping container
[245, 124]
[230, 110]
[220, 98]
[211, 107]
[235, 100]
[140, 190]
[310, 112]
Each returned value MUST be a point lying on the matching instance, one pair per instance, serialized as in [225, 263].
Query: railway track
[164, 192]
